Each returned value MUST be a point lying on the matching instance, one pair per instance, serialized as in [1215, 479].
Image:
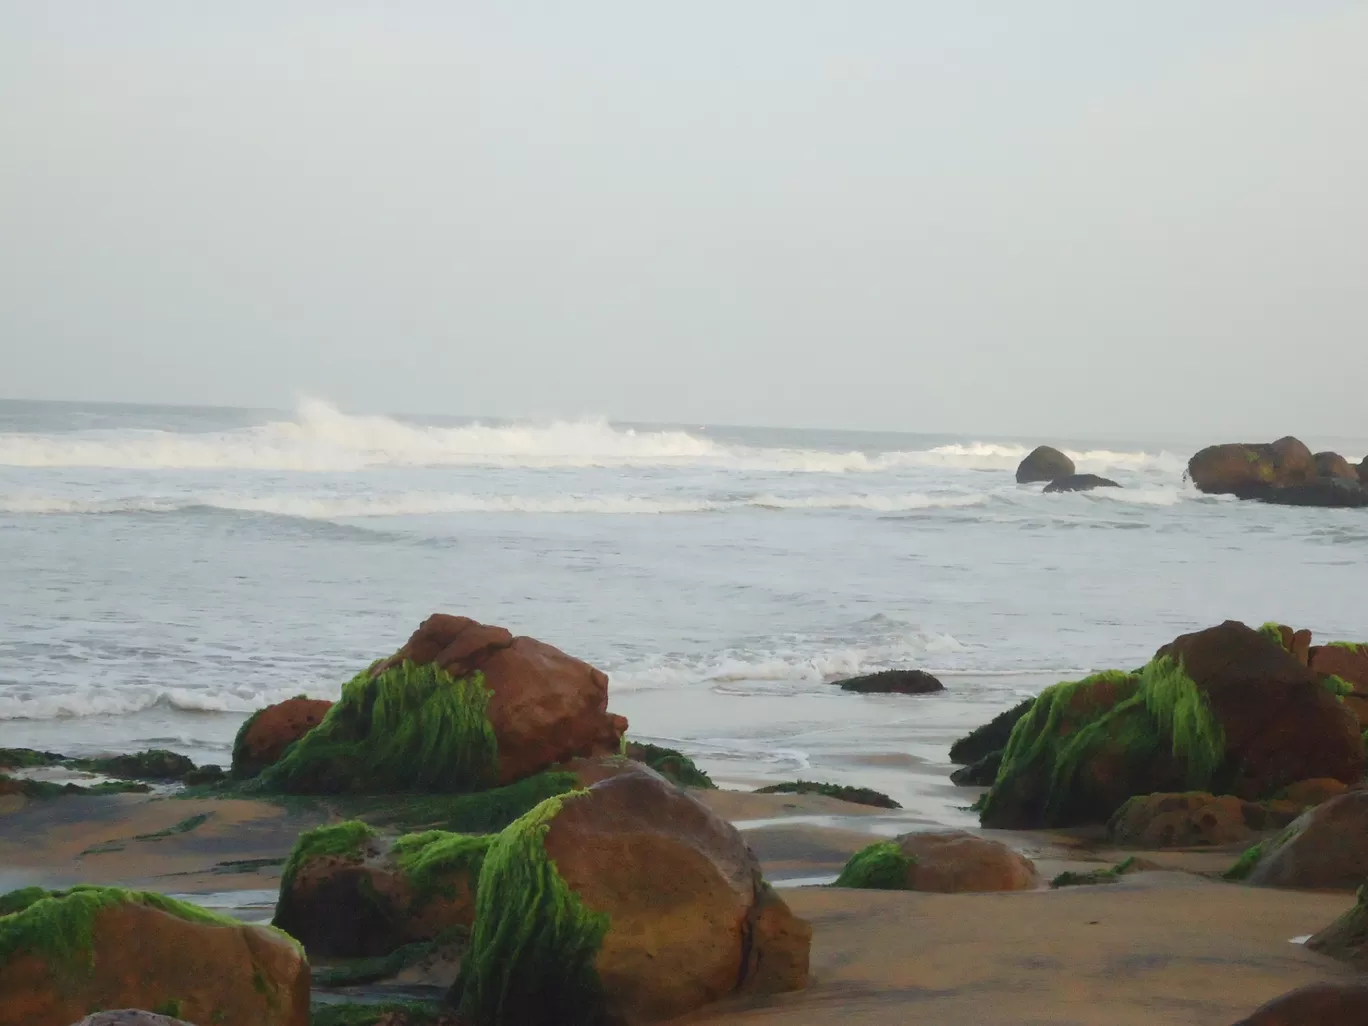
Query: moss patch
[881, 866]
[25, 758]
[484, 812]
[532, 950]
[183, 827]
[1273, 632]
[1246, 863]
[154, 764]
[411, 728]
[425, 858]
[47, 789]
[1352, 646]
[1181, 712]
[1337, 686]
[855, 795]
[1096, 876]
[670, 764]
[336, 839]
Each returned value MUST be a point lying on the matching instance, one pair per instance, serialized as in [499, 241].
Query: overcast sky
[1068, 217]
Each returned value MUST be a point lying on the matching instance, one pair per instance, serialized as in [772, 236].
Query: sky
[1064, 216]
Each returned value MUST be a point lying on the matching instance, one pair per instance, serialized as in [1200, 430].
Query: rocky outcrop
[1330, 492]
[978, 774]
[1232, 469]
[1226, 710]
[1347, 937]
[1180, 821]
[1320, 1004]
[1332, 464]
[991, 737]
[1348, 662]
[1363, 471]
[891, 682]
[1325, 848]
[1044, 464]
[629, 902]
[347, 892]
[1080, 483]
[65, 953]
[460, 707]
[946, 862]
[262, 740]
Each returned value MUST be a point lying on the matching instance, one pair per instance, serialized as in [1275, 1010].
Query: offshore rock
[1044, 464]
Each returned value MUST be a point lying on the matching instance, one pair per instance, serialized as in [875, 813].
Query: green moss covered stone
[881, 866]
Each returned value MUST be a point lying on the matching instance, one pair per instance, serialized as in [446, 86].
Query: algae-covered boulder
[266, 734]
[1245, 468]
[1319, 1004]
[673, 765]
[628, 902]
[892, 682]
[460, 707]
[1189, 820]
[65, 953]
[1043, 463]
[1347, 937]
[991, 737]
[946, 862]
[1326, 847]
[345, 891]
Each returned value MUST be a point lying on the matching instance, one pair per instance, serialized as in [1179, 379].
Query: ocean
[164, 571]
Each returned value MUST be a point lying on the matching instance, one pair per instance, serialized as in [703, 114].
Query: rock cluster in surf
[1285, 472]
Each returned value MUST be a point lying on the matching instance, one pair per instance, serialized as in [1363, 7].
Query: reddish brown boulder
[1239, 467]
[1350, 664]
[1305, 794]
[265, 736]
[1280, 724]
[1180, 821]
[1320, 1004]
[954, 862]
[145, 951]
[1325, 848]
[1332, 464]
[546, 707]
[1296, 642]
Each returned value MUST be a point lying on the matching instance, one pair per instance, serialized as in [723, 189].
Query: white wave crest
[126, 701]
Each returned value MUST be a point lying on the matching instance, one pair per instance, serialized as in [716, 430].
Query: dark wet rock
[1320, 1004]
[991, 737]
[1325, 848]
[27, 758]
[892, 682]
[978, 774]
[1331, 493]
[1332, 464]
[1080, 483]
[1363, 471]
[854, 795]
[1044, 464]
[1110, 875]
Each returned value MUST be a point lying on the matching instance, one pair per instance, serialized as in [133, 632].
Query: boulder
[978, 774]
[1179, 821]
[1044, 464]
[889, 682]
[1348, 662]
[1347, 937]
[346, 892]
[991, 737]
[65, 953]
[1233, 469]
[460, 707]
[1306, 794]
[1298, 643]
[1332, 464]
[1080, 483]
[946, 862]
[671, 764]
[1363, 471]
[1327, 492]
[1320, 1004]
[263, 738]
[130, 1017]
[629, 902]
[1325, 848]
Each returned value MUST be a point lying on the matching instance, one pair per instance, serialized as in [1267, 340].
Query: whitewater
[167, 570]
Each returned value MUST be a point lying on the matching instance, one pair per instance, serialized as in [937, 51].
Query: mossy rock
[481, 812]
[27, 758]
[992, 737]
[854, 795]
[1102, 876]
[673, 765]
[47, 789]
[978, 774]
[154, 764]
[942, 861]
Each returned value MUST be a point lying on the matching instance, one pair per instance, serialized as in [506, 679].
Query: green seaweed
[1273, 632]
[854, 795]
[1181, 712]
[1352, 646]
[1337, 686]
[239, 764]
[171, 1007]
[153, 764]
[338, 839]
[410, 728]
[17, 901]
[1096, 876]
[1246, 863]
[484, 812]
[26, 758]
[47, 789]
[881, 867]
[183, 827]
[670, 764]
[359, 971]
[425, 858]
[532, 950]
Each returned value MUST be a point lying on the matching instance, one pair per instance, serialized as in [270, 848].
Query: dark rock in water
[1347, 937]
[1320, 1004]
[1044, 464]
[900, 682]
[154, 764]
[1080, 483]
[1332, 464]
[854, 795]
[210, 774]
[1225, 469]
[1332, 492]
[991, 737]
[130, 1017]
[23, 758]
[978, 774]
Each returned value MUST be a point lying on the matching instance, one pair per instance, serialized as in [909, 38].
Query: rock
[947, 862]
[1363, 471]
[887, 682]
[130, 1017]
[1080, 483]
[1044, 464]
[854, 795]
[1332, 464]
[630, 902]
[1305, 794]
[991, 737]
[346, 892]
[1348, 662]
[1325, 848]
[1298, 643]
[1179, 821]
[68, 952]
[1347, 937]
[1110, 875]
[507, 708]
[1330, 493]
[154, 764]
[978, 774]
[263, 738]
[674, 766]
[1234, 468]
[1320, 1004]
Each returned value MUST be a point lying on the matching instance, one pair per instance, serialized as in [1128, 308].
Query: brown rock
[1280, 724]
[692, 920]
[264, 738]
[1332, 464]
[1347, 937]
[1363, 470]
[954, 862]
[1321, 1004]
[1326, 848]
[1180, 821]
[1044, 463]
[1307, 793]
[1298, 643]
[546, 707]
[1233, 468]
[141, 956]
[1350, 664]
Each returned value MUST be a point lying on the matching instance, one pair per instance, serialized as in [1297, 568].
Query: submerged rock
[630, 902]
[262, 740]
[63, 953]
[1320, 1004]
[1080, 483]
[1044, 463]
[854, 795]
[946, 862]
[1330, 492]
[1325, 848]
[890, 682]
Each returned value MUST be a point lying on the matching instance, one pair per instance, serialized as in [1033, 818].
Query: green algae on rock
[425, 858]
[343, 840]
[854, 795]
[674, 766]
[409, 728]
[881, 866]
